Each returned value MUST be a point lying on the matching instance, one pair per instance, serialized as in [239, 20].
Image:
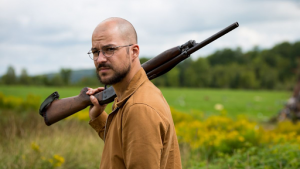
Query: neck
[121, 86]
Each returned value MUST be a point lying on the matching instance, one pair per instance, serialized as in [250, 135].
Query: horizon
[140, 57]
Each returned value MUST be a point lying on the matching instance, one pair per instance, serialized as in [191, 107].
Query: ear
[135, 52]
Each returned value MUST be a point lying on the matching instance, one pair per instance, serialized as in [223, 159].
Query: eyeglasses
[108, 51]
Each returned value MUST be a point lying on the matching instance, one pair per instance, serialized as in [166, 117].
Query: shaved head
[124, 27]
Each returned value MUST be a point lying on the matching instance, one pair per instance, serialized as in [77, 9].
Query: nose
[101, 58]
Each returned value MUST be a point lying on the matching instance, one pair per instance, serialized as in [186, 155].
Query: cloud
[43, 36]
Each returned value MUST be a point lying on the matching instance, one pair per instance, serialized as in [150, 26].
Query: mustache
[104, 65]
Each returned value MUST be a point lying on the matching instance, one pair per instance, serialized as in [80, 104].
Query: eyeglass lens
[107, 51]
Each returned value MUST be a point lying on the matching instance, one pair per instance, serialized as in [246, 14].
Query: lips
[104, 68]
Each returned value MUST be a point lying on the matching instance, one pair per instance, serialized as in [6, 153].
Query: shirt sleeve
[98, 124]
[142, 137]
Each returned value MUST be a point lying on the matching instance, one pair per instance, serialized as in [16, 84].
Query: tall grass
[27, 143]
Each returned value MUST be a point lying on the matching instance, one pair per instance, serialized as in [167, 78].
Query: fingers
[100, 89]
[94, 101]
[96, 109]
[94, 91]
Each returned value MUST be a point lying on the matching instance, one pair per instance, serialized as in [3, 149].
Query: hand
[96, 109]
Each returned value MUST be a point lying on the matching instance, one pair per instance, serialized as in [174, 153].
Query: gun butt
[59, 109]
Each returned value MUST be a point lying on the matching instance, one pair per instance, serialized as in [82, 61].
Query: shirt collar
[138, 79]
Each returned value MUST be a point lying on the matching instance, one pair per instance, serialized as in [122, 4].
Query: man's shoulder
[150, 97]
[148, 94]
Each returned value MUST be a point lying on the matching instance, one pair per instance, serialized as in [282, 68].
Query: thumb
[94, 101]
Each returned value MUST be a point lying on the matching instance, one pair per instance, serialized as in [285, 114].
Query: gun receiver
[54, 109]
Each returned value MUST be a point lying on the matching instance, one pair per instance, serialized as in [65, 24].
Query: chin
[104, 75]
[105, 79]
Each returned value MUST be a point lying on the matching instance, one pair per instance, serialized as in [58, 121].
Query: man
[139, 133]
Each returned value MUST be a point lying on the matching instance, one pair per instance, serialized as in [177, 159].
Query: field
[254, 104]
[215, 129]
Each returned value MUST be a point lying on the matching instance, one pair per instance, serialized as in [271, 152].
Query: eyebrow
[108, 45]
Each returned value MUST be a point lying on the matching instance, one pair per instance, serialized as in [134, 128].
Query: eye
[95, 52]
[110, 49]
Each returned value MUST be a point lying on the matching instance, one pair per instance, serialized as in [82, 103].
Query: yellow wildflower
[59, 160]
[50, 161]
[241, 138]
[35, 147]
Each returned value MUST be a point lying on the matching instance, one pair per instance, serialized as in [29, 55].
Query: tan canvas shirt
[140, 132]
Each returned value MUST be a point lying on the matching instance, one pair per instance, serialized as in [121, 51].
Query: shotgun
[54, 109]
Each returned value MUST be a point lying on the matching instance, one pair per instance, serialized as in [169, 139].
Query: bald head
[123, 27]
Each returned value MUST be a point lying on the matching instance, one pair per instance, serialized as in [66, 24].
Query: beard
[116, 77]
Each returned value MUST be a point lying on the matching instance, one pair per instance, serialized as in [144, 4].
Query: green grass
[254, 104]
[23, 91]
[257, 104]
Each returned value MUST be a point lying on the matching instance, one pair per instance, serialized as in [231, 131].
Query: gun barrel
[167, 66]
[213, 38]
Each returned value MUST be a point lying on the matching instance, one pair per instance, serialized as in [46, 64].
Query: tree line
[274, 68]
[60, 79]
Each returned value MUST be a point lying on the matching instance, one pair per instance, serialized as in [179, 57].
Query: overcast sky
[44, 36]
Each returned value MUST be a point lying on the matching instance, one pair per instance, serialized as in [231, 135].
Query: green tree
[40, 80]
[197, 74]
[248, 80]
[89, 81]
[202, 70]
[160, 81]
[190, 77]
[296, 50]
[283, 49]
[10, 77]
[226, 56]
[269, 78]
[220, 77]
[173, 77]
[183, 68]
[65, 76]
[24, 78]
[57, 80]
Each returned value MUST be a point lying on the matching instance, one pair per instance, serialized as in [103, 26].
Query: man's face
[111, 70]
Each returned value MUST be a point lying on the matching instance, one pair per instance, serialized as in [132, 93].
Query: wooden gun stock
[56, 110]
